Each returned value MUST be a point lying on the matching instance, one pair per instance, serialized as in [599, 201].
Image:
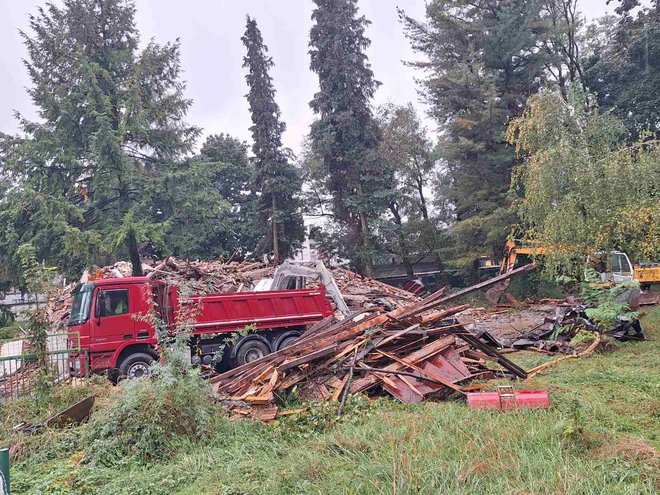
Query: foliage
[7, 317]
[408, 229]
[38, 279]
[478, 77]
[152, 413]
[148, 416]
[345, 137]
[607, 304]
[580, 183]
[622, 65]
[563, 26]
[233, 233]
[101, 168]
[321, 417]
[279, 220]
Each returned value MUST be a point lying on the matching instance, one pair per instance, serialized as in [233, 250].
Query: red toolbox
[507, 398]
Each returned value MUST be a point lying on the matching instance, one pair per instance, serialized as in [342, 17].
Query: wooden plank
[312, 356]
[412, 365]
[367, 382]
[429, 303]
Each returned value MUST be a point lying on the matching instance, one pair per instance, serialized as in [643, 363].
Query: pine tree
[479, 76]
[345, 136]
[110, 133]
[278, 182]
[622, 65]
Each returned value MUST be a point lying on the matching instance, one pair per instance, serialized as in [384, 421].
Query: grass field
[601, 436]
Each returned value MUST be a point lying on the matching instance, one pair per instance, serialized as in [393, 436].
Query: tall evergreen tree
[345, 136]
[96, 166]
[276, 179]
[482, 63]
[622, 65]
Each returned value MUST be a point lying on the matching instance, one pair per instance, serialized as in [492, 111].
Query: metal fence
[18, 363]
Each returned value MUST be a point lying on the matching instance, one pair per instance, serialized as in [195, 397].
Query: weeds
[148, 417]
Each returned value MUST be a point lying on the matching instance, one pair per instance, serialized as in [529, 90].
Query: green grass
[599, 437]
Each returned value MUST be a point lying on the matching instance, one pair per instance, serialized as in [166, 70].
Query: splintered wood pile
[210, 277]
[58, 310]
[413, 353]
[366, 293]
[217, 276]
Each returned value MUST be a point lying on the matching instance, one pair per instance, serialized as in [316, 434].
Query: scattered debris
[413, 353]
[74, 415]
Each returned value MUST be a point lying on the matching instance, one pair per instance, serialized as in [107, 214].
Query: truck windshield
[82, 302]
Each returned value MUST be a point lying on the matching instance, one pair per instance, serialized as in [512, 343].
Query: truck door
[112, 322]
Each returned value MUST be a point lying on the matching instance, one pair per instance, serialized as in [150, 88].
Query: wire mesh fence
[19, 366]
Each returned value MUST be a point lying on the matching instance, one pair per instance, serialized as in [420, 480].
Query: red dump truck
[110, 333]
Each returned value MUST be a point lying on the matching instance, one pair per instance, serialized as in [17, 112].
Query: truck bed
[233, 312]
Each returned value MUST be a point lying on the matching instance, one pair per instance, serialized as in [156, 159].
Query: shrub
[149, 416]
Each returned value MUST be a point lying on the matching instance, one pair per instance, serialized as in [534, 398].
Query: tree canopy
[478, 77]
[547, 129]
[583, 188]
[100, 171]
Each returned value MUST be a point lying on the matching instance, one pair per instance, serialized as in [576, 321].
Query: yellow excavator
[614, 267]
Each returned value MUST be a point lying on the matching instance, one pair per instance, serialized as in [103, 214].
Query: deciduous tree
[622, 65]
[407, 228]
[583, 188]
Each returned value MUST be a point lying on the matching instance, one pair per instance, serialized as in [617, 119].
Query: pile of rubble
[206, 277]
[413, 353]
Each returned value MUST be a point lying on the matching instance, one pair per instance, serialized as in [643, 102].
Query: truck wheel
[286, 340]
[136, 365]
[250, 350]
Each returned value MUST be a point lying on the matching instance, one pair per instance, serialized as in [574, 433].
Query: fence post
[4, 468]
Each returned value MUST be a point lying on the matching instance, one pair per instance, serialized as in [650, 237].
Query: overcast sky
[212, 53]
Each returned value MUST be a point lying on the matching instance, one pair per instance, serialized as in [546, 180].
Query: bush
[149, 416]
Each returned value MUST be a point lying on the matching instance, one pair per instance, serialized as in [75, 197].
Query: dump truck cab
[110, 319]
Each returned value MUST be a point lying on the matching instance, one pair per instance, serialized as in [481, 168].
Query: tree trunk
[276, 241]
[409, 267]
[403, 244]
[366, 243]
[364, 228]
[422, 199]
[134, 253]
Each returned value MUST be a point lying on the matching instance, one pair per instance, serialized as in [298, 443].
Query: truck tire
[285, 340]
[250, 350]
[136, 365]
